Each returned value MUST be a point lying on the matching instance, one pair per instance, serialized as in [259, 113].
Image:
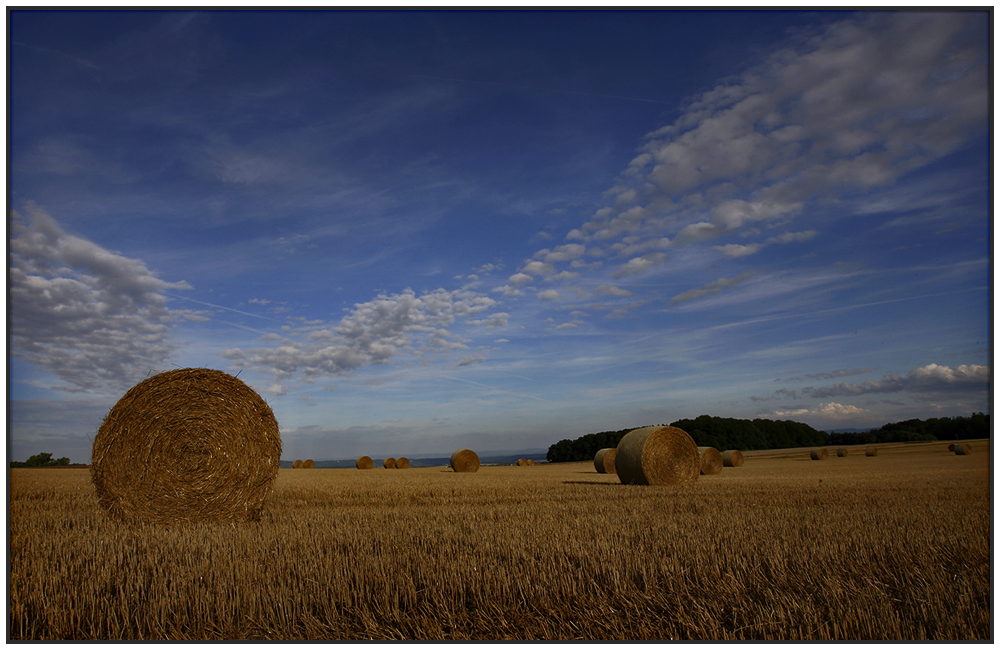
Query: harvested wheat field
[893, 547]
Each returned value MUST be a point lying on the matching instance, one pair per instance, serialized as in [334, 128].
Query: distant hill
[442, 461]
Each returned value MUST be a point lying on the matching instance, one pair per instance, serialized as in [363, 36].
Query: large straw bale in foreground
[191, 444]
[732, 458]
[710, 459]
[657, 456]
[465, 460]
[364, 462]
[604, 460]
[389, 463]
[402, 463]
[963, 450]
[818, 454]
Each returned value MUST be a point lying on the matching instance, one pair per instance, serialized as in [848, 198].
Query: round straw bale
[465, 460]
[841, 452]
[190, 444]
[309, 464]
[710, 460]
[364, 462]
[732, 458]
[531, 462]
[522, 462]
[604, 460]
[952, 446]
[818, 454]
[963, 450]
[297, 464]
[402, 463]
[389, 463]
[657, 456]
[871, 451]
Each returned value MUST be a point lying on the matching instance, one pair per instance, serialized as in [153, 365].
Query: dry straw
[522, 462]
[604, 460]
[531, 462]
[963, 450]
[402, 463]
[297, 464]
[732, 458]
[818, 454]
[841, 452]
[465, 460]
[389, 463]
[191, 444]
[309, 464]
[364, 462]
[657, 456]
[871, 451]
[952, 446]
[710, 459]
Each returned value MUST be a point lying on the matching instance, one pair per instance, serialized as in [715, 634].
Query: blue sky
[417, 231]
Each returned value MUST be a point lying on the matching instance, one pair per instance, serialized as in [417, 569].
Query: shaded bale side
[732, 458]
[297, 464]
[604, 460]
[710, 460]
[522, 462]
[871, 451]
[402, 463]
[364, 462]
[963, 450]
[818, 454]
[389, 463]
[309, 464]
[657, 456]
[952, 446]
[841, 452]
[465, 460]
[191, 444]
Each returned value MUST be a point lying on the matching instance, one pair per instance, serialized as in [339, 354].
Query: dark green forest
[745, 435]
[43, 459]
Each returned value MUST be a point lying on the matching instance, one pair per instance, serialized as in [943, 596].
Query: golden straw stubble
[604, 460]
[711, 460]
[364, 462]
[191, 444]
[465, 460]
[657, 456]
[732, 458]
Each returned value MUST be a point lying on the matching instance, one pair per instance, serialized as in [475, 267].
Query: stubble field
[895, 546]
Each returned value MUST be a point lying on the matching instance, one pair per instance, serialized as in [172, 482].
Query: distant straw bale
[389, 463]
[297, 464]
[309, 464]
[364, 462]
[841, 452]
[531, 462]
[657, 456]
[732, 458]
[465, 460]
[710, 460]
[871, 451]
[604, 460]
[522, 462]
[952, 446]
[402, 463]
[963, 450]
[190, 444]
[818, 454]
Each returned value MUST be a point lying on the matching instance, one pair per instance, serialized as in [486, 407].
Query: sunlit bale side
[402, 463]
[297, 464]
[963, 450]
[657, 456]
[308, 464]
[465, 460]
[522, 462]
[819, 453]
[364, 462]
[732, 458]
[531, 462]
[710, 460]
[604, 460]
[389, 463]
[190, 444]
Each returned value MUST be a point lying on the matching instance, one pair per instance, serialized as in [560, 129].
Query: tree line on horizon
[760, 433]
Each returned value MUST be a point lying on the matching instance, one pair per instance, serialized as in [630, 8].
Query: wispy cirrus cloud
[931, 378]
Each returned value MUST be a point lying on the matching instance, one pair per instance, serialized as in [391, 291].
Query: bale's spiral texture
[818, 454]
[732, 458]
[871, 451]
[522, 462]
[402, 463]
[604, 460]
[309, 464]
[297, 464]
[389, 463]
[963, 450]
[187, 445]
[465, 460]
[710, 460]
[657, 456]
[841, 452]
[364, 462]
[530, 462]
